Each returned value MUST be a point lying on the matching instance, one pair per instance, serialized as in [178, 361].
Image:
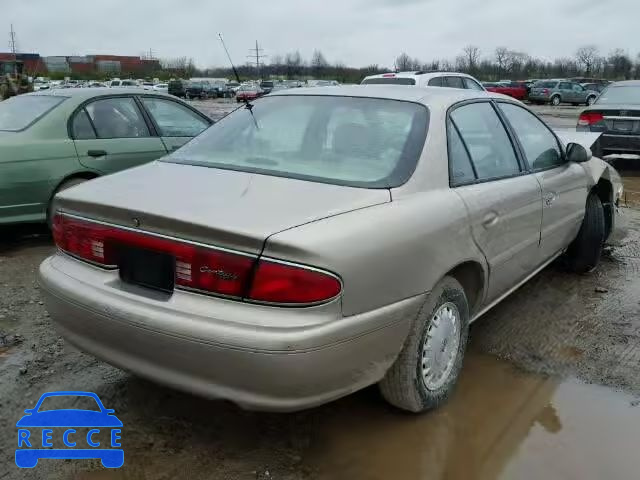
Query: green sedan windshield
[20, 112]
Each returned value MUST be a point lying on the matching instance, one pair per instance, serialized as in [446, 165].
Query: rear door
[175, 123]
[579, 93]
[566, 92]
[504, 201]
[112, 134]
[564, 184]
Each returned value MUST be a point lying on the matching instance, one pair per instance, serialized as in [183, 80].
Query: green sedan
[53, 140]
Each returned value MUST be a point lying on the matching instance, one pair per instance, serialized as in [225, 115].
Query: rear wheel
[68, 184]
[427, 369]
[590, 101]
[556, 100]
[584, 252]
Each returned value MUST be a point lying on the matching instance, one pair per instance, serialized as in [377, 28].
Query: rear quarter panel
[385, 253]
[30, 171]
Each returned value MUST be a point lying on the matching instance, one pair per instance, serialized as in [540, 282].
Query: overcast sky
[355, 32]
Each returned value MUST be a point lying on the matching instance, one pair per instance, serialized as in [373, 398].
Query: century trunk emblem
[221, 274]
[135, 221]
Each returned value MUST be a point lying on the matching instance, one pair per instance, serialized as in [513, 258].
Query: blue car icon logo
[59, 433]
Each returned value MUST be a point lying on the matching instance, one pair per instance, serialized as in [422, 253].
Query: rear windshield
[360, 142]
[389, 81]
[21, 112]
[545, 85]
[620, 95]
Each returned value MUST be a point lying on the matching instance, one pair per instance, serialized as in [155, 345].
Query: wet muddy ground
[550, 390]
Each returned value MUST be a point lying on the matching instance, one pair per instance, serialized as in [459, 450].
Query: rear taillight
[545, 91]
[209, 270]
[197, 267]
[291, 284]
[590, 118]
[85, 240]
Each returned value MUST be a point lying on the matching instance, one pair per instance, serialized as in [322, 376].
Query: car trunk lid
[229, 209]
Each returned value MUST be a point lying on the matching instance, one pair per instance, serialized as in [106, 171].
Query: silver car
[557, 92]
[317, 241]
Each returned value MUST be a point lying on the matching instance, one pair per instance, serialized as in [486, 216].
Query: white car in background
[161, 87]
[426, 79]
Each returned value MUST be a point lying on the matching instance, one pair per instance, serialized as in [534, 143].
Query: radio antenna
[235, 72]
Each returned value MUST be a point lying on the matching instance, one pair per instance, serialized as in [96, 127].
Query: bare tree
[319, 64]
[502, 54]
[587, 57]
[293, 62]
[404, 62]
[471, 56]
[619, 64]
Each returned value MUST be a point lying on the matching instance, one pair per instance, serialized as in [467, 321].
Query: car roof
[87, 93]
[435, 96]
[422, 74]
[625, 83]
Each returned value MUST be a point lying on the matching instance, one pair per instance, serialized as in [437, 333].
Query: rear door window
[565, 86]
[460, 168]
[173, 119]
[436, 82]
[18, 113]
[539, 144]
[472, 84]
[117, 118]
[487, 141]
[454, 82]
[81, 126]
[389, 81]
[545, 85]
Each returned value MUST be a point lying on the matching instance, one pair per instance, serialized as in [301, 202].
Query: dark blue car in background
[31, 448]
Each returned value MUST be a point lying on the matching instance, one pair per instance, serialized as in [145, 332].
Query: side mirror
[577, 153]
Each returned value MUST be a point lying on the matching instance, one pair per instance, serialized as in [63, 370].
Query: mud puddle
[501, 424]
[631, 181]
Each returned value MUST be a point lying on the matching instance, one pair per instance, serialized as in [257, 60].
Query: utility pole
[257, 54]
[12, 45]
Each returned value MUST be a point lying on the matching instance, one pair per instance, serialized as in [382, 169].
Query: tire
[590, 100]
[556, 100]
[584, 252]
[63, 186]
[404, 385]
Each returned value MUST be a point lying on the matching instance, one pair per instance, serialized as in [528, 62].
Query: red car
[248, 93]
[514, 89]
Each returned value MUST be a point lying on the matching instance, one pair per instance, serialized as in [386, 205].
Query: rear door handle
[490, 220]
[97, 153]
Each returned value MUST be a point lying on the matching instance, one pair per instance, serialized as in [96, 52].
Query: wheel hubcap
[440, 348]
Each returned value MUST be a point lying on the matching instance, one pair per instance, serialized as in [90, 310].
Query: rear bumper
[613, 144]
[272, 361]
